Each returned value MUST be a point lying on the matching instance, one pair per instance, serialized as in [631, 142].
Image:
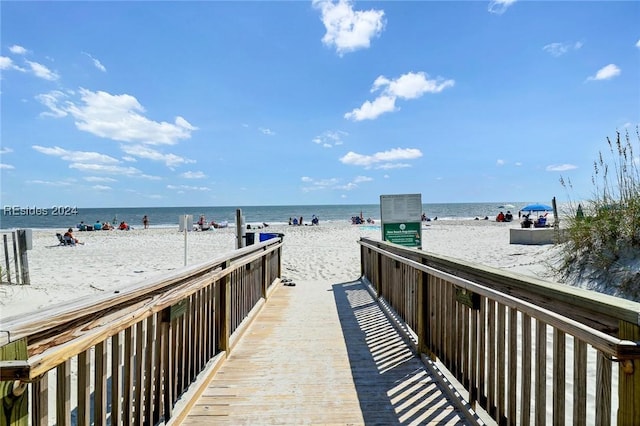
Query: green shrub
[603, 244]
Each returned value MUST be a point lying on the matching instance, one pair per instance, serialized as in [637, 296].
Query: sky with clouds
[126, 104]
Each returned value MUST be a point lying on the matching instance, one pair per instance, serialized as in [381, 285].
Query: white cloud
[42, 71]
[606, 73]
[117, 117]
[106, 168]
[411, 85]
[5, 150]
[389, 166]
[500, 162]
[500, 6]
[142, 151]
[96, 63]
[318, 184]
[332, 183]
[383, 160]
[6, 63]
[51, 100]
[99, 179]
[360, 179]
[76, 156]
[559, 49]
[101, 188]
[193, 175]
[560, 167]
[408, 86]
[330, 138]
[372, 110]
[49, 183]
[6, 166]
[188, 188]
[266, 131]
[638, 44]
[17, 50]
[349, 30]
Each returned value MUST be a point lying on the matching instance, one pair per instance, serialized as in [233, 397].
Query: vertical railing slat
[603, 390]
[525, 392]
[501, 364]
[40, 411]
[63, 394]
[579, 382]
[559, 378]
[100, 385]
[116, 380]
[84, 387]
[491, 362]
[541, 373]
[139, 367]
[512, 371]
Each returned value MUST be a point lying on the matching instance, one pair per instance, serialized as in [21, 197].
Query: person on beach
[97, 226]
[70, 239]
[500, 217]
[145, 221]
[123, 226]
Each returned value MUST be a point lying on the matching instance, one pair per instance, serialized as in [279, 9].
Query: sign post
[401, 216]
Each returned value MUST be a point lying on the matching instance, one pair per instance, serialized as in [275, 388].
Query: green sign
[407, 234]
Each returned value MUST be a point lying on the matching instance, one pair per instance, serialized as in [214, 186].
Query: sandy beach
[112, 259]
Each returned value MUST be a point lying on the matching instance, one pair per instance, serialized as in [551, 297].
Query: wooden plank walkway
[323, 354]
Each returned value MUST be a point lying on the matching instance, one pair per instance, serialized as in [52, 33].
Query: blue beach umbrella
[532, 208]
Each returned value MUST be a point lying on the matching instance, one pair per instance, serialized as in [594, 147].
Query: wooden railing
[525, 350]
[127, 357]
[14, 266]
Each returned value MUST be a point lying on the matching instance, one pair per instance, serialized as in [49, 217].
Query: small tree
[603, 244]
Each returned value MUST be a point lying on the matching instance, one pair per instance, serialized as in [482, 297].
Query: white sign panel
[401, 208]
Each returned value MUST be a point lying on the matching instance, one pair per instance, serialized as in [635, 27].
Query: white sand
[113, 259]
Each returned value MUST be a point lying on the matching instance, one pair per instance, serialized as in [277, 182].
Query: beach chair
[61, 240]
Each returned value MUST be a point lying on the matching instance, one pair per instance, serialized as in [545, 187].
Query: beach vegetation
[602, 249]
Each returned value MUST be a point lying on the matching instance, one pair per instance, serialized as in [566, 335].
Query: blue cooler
[264, 236]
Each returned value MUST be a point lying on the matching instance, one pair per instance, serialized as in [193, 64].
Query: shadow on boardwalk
[322, 353]
[393, 386]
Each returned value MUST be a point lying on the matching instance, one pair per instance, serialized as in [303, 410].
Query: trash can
[264, 236]
[250, 238]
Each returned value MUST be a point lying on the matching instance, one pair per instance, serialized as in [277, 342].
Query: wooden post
[239, 229]
[629, 380]
[265, 274]
[224, 311]
[6, 258]
[14, 400]
[423, 309]
[24, 262]
[15, 256]
[378, 277]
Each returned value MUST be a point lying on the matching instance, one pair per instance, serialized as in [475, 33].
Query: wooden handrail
[619, 348]
[65, 313]
[157, 336]
[497, 332]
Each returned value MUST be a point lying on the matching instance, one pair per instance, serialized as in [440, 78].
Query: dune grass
[602, 252]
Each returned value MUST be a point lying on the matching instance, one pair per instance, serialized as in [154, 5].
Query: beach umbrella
[536, 208]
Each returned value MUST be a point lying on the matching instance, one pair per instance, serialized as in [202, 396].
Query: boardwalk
[323, 354]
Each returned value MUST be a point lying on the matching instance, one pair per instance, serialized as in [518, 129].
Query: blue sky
[110, 104]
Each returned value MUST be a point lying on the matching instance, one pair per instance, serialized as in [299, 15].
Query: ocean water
[38, 217]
